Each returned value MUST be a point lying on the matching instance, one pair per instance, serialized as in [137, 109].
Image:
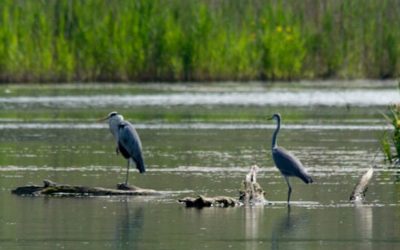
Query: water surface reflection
[129, 225]
[198, 161]
[287, 227]
[363, 219]
[253, 225]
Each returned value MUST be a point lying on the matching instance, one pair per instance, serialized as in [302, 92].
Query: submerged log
[51, 188]
[250, 193]
[203, 201]
[361, 187]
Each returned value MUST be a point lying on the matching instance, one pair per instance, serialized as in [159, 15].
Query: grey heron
[127, 141]
[287, 163]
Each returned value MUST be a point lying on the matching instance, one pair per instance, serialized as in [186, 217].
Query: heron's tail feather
[306, 178]
[141, 167]
[139, 164]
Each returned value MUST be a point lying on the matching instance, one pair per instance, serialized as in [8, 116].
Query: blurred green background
[210, 40]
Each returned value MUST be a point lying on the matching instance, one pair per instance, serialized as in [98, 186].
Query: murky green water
[189, 157]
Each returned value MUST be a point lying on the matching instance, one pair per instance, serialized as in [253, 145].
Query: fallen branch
[203, 201]
[250, 193]
[361, 188]
[51, 188]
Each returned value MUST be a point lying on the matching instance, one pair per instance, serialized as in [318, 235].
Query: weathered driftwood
[203, 201]
[361, 187]
[250, 193]
[54, 189]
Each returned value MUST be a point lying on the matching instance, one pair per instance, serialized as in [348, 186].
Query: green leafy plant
[390, 142]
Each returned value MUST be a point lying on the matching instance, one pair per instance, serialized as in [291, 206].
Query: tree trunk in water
[51, 188]
[250, 193]
[361, 188]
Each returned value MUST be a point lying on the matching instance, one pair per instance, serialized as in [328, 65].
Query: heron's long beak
[270, 118]
[103, 119]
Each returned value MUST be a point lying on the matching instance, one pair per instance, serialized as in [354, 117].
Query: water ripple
[187, 169]
[352, 97]
[218, 126]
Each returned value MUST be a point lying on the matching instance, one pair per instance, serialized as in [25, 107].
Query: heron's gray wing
[130, 141]
[289, 165]
[123, 151]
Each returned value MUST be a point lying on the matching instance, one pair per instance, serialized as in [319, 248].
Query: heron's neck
[114, 130]
[114, 123]
[278, 126]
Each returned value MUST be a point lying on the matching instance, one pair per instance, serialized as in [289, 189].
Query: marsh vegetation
[140, 40]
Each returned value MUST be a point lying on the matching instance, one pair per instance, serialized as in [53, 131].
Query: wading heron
[127, 140]
[287, 163]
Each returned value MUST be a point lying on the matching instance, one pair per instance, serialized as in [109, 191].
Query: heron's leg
[290, 189]
[127, 173]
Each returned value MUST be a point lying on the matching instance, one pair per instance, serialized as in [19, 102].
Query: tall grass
[173, 40]
[390, 143]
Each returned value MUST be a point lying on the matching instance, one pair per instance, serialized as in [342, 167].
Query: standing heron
[127, 140]
[287, 163]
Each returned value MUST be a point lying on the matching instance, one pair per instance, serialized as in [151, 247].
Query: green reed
[390, 143]
[180, 40]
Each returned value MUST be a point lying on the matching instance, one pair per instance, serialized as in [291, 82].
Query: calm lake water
[335, 136]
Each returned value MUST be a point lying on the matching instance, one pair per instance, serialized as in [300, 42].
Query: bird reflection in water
[129, 225]
[286, 225]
